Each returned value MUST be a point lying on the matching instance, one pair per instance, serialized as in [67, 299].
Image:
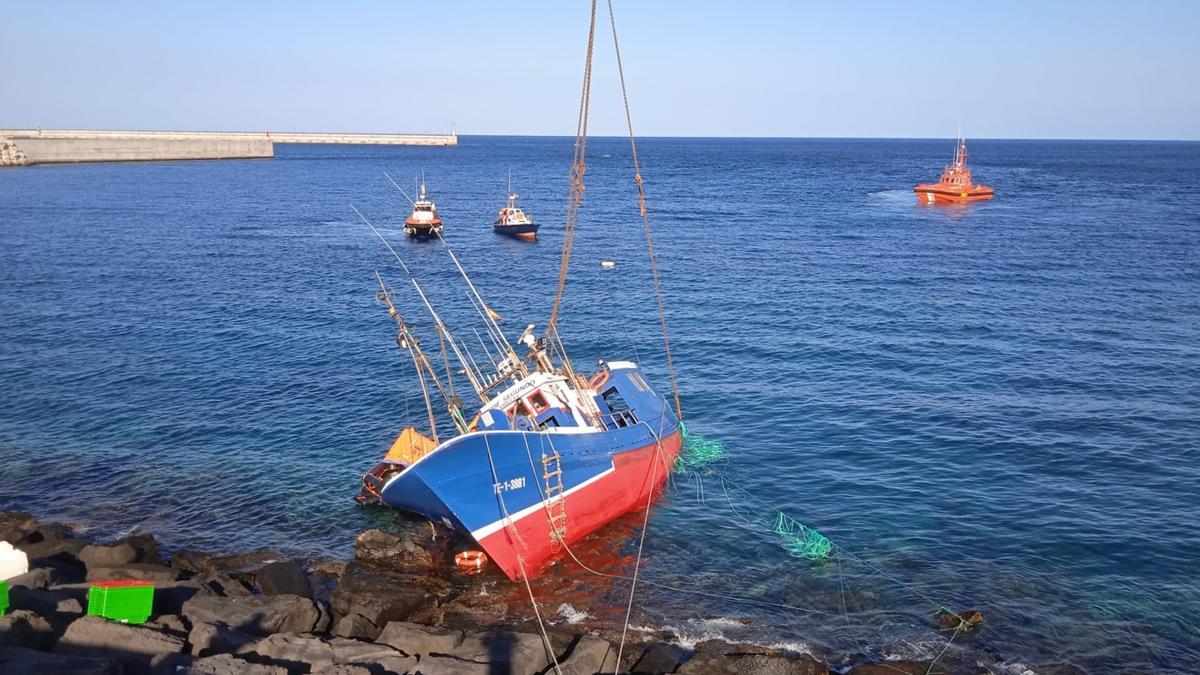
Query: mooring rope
[641, 188]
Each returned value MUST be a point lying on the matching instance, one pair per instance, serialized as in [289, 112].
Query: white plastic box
[13, 562]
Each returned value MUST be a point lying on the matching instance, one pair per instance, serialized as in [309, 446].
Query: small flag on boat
[494, 315]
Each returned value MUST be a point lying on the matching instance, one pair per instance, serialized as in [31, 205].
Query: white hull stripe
[492, 528]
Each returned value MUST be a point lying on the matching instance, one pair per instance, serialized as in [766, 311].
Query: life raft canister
[599, 379]
[470, 562]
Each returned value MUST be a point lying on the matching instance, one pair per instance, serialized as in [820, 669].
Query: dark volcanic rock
[448, 665]
[751, 664]
[14, 525]
[473, 608]
[376, 597]
[259, 615]
[48, 601]
[107, 555]
[219, 583]
[168, 623]
[399, 553]
[23, 628]
[219, 664]
[659, 658]
[20, 660]
[355, 626]
[39, 577]
[969, 620]
[217, 638]
[894, 668]
[301, 651]
[234, 565]
[504, 651]
[132, 646]
[135, 571]
[590, 655]
[720, 657]
[283, 578]
[169, 597]
[414, 639]
[59, 556]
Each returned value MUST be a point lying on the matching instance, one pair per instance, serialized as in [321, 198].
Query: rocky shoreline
[397, 607]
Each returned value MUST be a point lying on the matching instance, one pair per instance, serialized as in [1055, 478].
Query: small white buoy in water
[607, 264]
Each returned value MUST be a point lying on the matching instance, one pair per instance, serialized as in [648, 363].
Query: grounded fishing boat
[424, 220]
[956, 184]
[513, 221]
[549, 456]
[548, 459]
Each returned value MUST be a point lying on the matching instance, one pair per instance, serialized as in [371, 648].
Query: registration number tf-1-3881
[506, 485]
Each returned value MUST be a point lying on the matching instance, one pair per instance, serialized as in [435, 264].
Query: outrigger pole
[410, 199]
[407, 341]
[472, 376]
[482, 308]
[493, 329]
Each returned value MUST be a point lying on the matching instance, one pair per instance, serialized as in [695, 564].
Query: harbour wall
[41, 146]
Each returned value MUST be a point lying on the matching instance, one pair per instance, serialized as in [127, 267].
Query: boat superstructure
[956, 184]
[512, 220]
[424, 220]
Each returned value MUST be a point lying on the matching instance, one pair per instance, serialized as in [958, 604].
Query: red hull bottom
[636, 474]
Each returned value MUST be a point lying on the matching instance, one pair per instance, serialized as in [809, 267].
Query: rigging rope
[637, 178]
[510, 531]
[578, 168]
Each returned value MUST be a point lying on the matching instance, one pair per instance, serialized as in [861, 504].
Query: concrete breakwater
[45, 146]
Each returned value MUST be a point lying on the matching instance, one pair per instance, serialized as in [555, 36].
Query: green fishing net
[697, 451]
[800, 541]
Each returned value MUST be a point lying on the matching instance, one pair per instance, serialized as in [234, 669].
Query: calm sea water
[998, 406]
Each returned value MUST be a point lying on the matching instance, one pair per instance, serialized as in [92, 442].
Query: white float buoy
[607, 264]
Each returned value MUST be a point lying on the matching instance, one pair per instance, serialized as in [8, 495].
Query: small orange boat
[955, 185]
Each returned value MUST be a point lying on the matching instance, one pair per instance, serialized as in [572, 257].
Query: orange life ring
[599, 379]
[470, 562]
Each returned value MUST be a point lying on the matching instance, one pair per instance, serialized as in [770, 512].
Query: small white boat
[514, 222]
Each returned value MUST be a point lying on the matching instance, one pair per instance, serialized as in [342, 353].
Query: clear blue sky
[1098, 69]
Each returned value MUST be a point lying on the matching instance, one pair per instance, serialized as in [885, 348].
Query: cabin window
[548, 423]
[621, 414]
[520, 409]
[538, 400]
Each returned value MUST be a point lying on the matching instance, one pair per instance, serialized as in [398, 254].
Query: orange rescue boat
[955, 185]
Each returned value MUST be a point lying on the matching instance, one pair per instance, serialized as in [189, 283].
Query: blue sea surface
[992, 407]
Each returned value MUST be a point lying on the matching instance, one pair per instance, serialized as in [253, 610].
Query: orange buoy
[470, 562]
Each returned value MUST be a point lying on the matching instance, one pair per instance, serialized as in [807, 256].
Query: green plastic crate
[3, 598]
[124, 601]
